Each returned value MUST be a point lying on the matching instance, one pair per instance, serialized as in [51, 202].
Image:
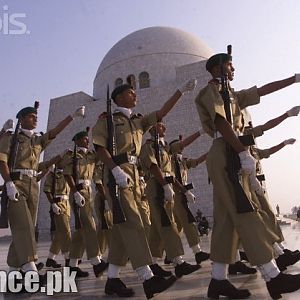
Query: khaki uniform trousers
[229, 226]
[103, 234]
[167, 237]
[128, 239]
[22, 219]
[144, 210]
[86, 237]
[62, 234]
[190, 230]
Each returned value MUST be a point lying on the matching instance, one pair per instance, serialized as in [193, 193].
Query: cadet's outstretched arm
[201, 159]
[168, 105]
[190, 139]
[274, 122]
[275, 86]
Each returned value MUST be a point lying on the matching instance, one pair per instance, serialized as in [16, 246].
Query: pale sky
[65, 42]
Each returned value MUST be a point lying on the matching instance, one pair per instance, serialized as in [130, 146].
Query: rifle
[53, 192]
[118, 213]
[11, 164]
[243, 204]
[76, 208]
[160, 197]
[184, 202]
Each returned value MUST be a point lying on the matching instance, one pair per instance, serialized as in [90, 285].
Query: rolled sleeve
[191, 163]
[175, 147]
[257, 131]
[147, 156]
[262, 153]
[149, 120]
[99, 133]
[5, 148]
[48, 184]
[45, 140]
[248, 97]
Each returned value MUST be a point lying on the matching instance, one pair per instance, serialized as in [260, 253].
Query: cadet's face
[161, 129]
[229, 70]
[127, 99]
[29, 121]
[83, 142]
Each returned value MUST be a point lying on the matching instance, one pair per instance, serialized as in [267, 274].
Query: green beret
[216, 60]
[26, 111]
[79, 135]
[120, 89]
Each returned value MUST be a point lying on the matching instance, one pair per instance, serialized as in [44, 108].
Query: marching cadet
[157, 167]
[21, 184]
[103, 211]
[78, 170]
[57, 191]
[129, 129]
[180, 167]
[229, 225]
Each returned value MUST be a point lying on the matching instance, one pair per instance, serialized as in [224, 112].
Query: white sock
[281, 245]
[154, 260]
[113, 271]
[30, 266]
[269, 270]
[144, 273]
[74, 262]
[277, 250]
[219, 271]
[196, 248]
[178, 260]
[51, 255]
[95, 260]
[238, 256]
[66, 255]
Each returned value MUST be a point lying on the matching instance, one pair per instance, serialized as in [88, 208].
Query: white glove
[56, 209]
[122, 179]
[255, 185]
[293, 111]
[8, 125]
[106, 206]
[190, 197]
[188, 86]
[79, 112]
[248, 162]
[12, 192]
[289, 142]
[79, 199]
[297, 77]
[168, 192]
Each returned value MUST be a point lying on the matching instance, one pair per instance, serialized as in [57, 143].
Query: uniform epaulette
[214, 81]
[103, 115]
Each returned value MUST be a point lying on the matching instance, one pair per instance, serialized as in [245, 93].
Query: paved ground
[191, 287]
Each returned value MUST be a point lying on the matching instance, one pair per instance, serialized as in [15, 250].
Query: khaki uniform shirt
[128, 134]
[29, 149]
[209, 103]
[85, 164]
[184, 165]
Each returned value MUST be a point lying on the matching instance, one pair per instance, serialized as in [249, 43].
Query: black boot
[159, 271]
[167, 261]
[240, 267]
[185, 269]
[243, 256]
[79, 272]
[100, 268]
[287, 259]
[283, 283]
[116, 286]
[290, 251]
[39, 266]
[157, 284]
[52, 263]
[201, 256]
[225, 288]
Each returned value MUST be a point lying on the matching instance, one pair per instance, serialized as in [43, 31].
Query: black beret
[216, 60]
[120, 89]
[79, 135]
[26, 111]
